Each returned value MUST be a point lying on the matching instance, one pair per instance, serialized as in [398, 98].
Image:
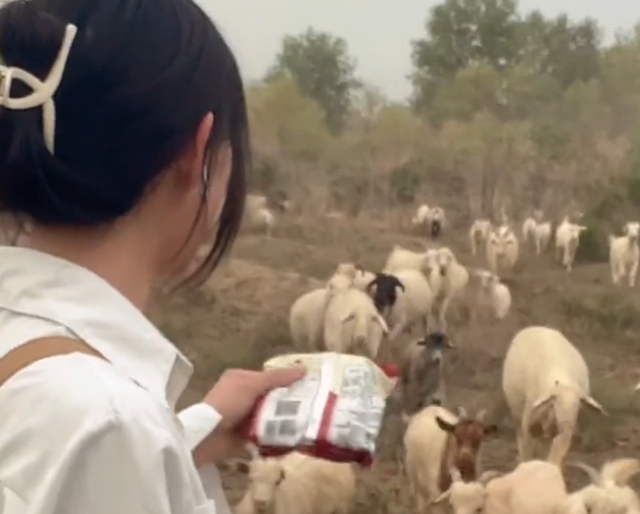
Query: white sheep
[434, 450]
[503, 249]
[361, 277]
[545, 379]
[454, 277]
[352, 324]
[258, 214]
[421, 216]
[306, 320]
[307, 313]
[542, 236]
[264, 218]
[567, 240]
[256, 202]
[479, 234]
[624, 254]
[534, 487]
[437, 221]
[493, 296]
[400, 258]
[609, 492]
[297, 484]
[403, 298]
[528, 228]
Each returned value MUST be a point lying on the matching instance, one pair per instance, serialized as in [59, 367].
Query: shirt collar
[40, 285]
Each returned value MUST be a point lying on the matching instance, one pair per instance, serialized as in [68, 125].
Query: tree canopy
[507, 107]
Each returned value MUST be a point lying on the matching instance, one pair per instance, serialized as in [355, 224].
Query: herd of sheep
[545, 381]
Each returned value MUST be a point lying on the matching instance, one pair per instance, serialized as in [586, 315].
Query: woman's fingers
[274, 378]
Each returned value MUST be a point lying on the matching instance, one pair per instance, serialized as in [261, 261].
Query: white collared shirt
[78, 434]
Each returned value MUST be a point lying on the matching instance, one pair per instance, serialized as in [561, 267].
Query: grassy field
[239, 318]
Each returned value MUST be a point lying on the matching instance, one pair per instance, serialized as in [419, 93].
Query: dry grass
[239, 318]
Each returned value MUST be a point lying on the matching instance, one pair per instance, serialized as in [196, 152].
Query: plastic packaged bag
[334, 413]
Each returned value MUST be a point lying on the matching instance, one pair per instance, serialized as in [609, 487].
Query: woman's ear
[195, 160]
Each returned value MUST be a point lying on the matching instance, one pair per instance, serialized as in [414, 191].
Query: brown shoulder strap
[33, 351]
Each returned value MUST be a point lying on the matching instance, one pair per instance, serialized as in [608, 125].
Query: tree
[463, 33]
[323, 70]
[288, 122]
[572, 50]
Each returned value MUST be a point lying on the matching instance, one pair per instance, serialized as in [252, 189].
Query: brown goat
[462, 446]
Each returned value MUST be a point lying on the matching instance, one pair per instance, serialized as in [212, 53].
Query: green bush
[404, 183]
[265, 176]
[594, 243]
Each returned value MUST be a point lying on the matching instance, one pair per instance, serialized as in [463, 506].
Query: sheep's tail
[620, 471]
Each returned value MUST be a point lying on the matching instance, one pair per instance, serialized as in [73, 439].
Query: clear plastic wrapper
[335, 412]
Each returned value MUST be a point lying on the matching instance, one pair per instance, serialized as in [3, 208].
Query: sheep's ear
[383, 324]
[445, 425]
[242, 466]
[594, 474]
[443, 497]
[540, 403]
[425, 342]
[487, 476]
[347, 317]
[481, 415]
[594, 405]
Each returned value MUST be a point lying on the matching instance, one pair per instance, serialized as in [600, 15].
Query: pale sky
[378, 32]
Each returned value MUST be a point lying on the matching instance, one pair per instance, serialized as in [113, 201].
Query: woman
[123, 144]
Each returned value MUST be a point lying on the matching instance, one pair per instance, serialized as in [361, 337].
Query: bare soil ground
[239, 318]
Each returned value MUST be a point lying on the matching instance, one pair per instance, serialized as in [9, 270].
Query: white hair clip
[43, 92]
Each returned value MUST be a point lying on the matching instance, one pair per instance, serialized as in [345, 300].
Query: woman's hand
[234, 397]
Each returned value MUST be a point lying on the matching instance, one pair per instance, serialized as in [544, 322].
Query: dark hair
[140, 77]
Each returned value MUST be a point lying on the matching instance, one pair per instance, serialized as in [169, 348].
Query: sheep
[493, 297]
[307, 313]
[609, 492]
[403, 298]
[436, 222]
[352, 322]
[455, 278]
[400, 258]
[503, 216]
[534, 487]
[528, 228]
[420, 381]
[278, 202]
[542, 236]
[503, 249]
[421, 216]
[567, 240]
[297, 484]
[479, 234]
[265, 218]
[361, 277]
[437, 441]
[306, 320]
[545, 380]
[257, 213]
[624, 254]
